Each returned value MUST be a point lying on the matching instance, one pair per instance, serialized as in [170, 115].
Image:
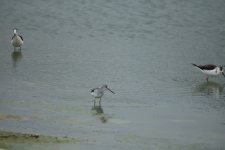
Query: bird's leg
[207, 78]
[100, 102]
[94, 102]
[20, 48]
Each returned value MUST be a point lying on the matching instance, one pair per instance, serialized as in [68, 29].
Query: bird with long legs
[99, 92]
[210, 70]
[17, 40]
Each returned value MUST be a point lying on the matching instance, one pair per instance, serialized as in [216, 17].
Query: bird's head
[15, 30]
[221, 70]
[105, 87]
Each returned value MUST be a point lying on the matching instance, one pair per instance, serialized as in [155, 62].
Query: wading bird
[99, 92]
[210, 70]
[17, 40]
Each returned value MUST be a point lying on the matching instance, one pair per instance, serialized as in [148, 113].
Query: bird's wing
[205, 67]
[13, 36]
[21, 37]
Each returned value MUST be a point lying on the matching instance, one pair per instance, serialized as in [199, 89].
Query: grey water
[142, 49]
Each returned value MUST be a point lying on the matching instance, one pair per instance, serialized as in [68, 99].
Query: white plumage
[210, 70]
[17, 40]
[99, 92]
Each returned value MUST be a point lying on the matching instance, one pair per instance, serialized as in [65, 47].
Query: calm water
[143, 50]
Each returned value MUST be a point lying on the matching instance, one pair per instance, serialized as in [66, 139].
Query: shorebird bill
[223, 74]
[110, 90]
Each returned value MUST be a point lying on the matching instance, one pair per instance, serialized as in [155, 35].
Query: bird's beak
[110, 90]
[223, 74]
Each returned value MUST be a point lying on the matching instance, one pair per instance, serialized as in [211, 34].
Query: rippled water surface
[143, 50]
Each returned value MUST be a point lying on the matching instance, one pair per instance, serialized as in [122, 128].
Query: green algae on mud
[16, 137]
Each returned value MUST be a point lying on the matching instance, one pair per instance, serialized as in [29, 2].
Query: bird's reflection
[97, 111]
[210, 88]
[16, 57]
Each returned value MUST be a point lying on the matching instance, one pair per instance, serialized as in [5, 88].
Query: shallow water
[142, 49]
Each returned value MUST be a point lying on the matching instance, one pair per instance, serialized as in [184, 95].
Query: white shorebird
[17, 40]
[210, 70]
[99, 92]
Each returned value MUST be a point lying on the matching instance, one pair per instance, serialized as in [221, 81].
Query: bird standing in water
[17, 40]
[99, 92]
[210, 70]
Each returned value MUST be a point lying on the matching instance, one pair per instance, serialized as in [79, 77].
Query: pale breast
[213, 72]
[16, 41]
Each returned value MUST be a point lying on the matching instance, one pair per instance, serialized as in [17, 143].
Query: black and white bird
[17, 40]
[210, 70]
[99, 92]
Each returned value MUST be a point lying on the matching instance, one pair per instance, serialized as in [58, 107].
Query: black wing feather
[205, 67]
[21, 37]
